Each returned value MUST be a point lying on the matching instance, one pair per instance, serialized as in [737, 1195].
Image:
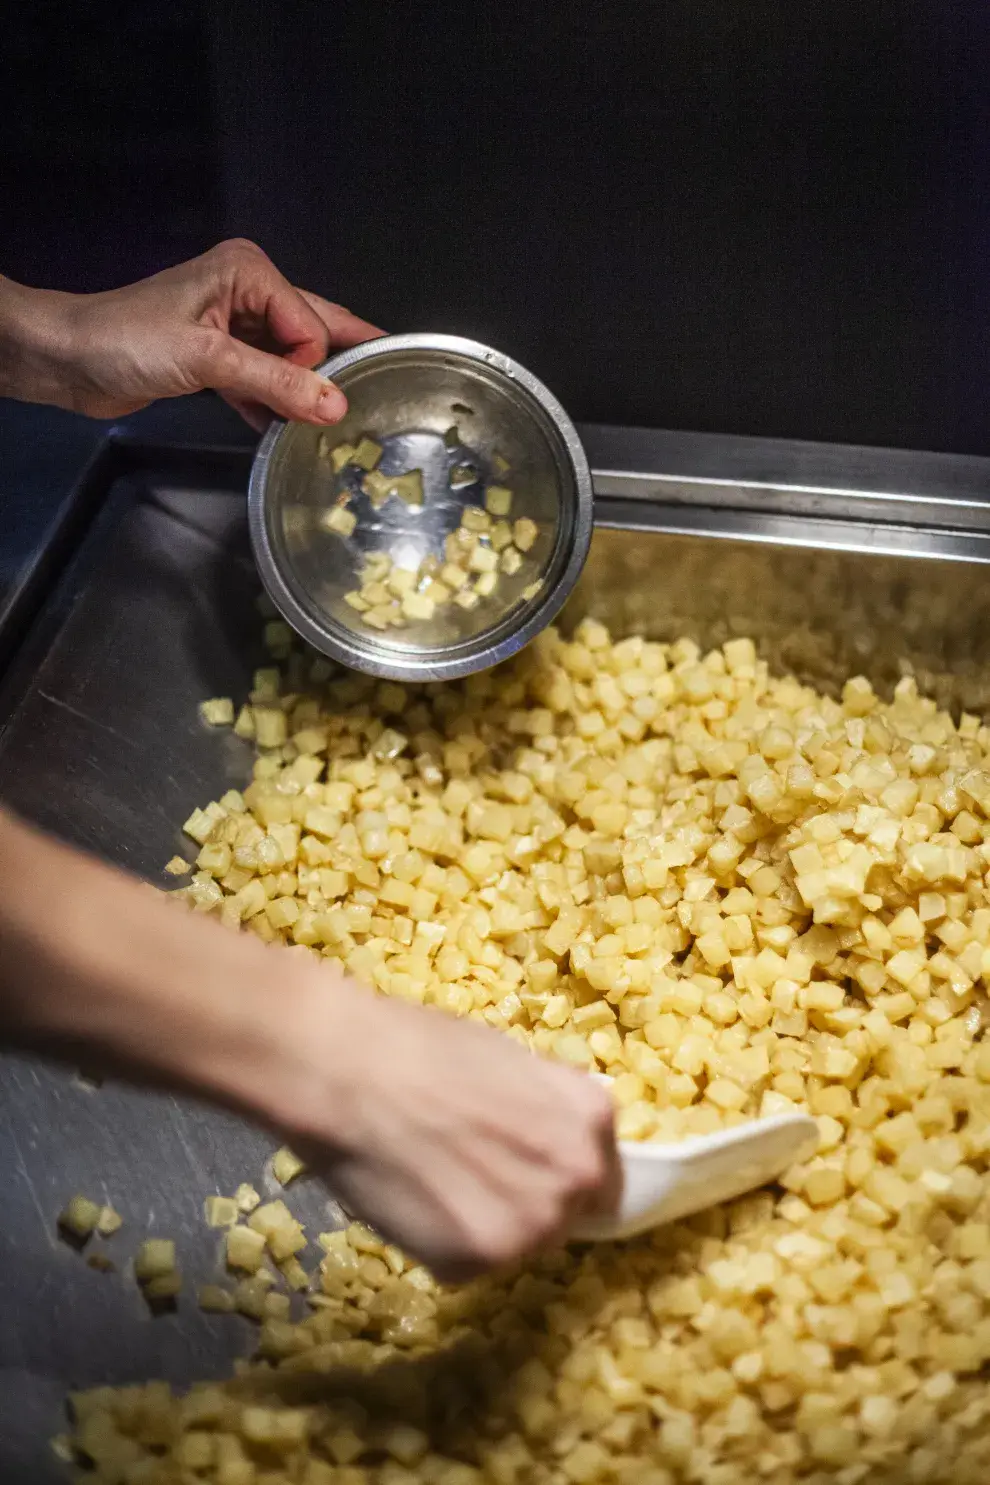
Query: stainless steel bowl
[407, 392]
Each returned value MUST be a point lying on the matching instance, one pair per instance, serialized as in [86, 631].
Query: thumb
[292, 391]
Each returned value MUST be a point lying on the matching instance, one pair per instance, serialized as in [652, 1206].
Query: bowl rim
[336, 640]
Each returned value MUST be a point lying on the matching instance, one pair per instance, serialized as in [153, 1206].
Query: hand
[227, 321]
[446, 1137]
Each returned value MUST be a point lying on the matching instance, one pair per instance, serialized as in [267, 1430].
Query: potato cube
[367, 454]
[245, 1249]
[286, 1166]
[80, 1218]
[498, 500]
[155, 1259]
[218, 712]
[524, 533]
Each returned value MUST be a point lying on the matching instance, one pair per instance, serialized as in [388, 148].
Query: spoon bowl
[665, 1182]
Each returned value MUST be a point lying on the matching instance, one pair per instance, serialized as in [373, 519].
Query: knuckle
[500, 1242]
[285, 378]
[236, 249]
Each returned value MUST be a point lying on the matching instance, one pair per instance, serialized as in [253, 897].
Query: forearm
[35, 331]
[98, 968]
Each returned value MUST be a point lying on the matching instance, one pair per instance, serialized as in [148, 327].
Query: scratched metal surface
[100, 743]
[104, 748]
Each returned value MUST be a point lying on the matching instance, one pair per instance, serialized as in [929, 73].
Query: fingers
[261, 296]
[239, 371]
[343, 328]
[256, 416]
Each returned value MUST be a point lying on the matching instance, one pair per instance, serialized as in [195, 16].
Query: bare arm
[227, 320]
[447, 1137]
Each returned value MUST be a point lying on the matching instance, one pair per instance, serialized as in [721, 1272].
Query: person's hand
[445, 1136]
[228, 321]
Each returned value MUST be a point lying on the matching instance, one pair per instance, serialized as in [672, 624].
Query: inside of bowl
[467, 429]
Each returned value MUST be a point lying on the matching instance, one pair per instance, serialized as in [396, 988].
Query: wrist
[321, 1030]
[35, 343]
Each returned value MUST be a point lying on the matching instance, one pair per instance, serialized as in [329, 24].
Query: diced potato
[341, 455]
[219, 712]
[409, 487]
[498, 500]
[367, 454]
[483, 560]
[524, 533]
[109, 1222]
[738, 897]
[418, 606]
[215, 1300]
[286, 1166]
[221, 1211]
[163, 1286]
[155, 1259]
[245, 1249]
[340, 520]
[80, 1218]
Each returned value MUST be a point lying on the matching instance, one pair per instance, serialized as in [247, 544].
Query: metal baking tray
[835, 561]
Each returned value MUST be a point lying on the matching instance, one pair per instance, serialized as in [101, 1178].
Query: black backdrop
[716, 214]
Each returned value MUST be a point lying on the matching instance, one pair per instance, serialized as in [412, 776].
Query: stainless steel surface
[100, 742]
[406, 391]
[779, 476]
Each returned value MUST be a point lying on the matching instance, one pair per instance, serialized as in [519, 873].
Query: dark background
[766, 218]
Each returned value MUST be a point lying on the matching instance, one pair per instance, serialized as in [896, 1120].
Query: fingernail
[332, 404]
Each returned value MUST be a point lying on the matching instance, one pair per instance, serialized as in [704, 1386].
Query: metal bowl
[408, 392]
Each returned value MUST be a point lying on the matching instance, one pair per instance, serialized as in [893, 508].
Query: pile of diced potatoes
[736, 896]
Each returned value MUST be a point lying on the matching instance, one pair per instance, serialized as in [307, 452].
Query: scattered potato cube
[155, 1259]
[162, 1287]
[219, 712]
[221, 1211]
[80, 1218]
[341, 456]
[286, 1166]
[245, 1249]
[109, 1222]
[215, 1300]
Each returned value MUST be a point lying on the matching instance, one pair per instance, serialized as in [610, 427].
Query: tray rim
[873, 501]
